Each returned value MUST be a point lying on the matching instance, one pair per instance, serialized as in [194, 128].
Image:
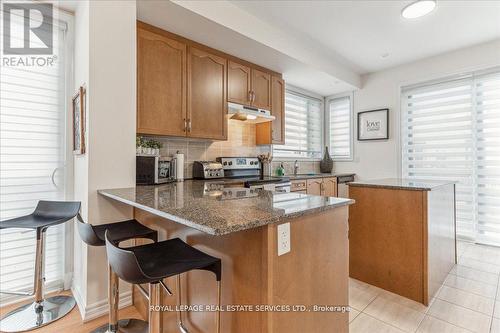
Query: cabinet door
[161, 85]
[278, 110]
[330, 187]
[298, 185]
[261, 88]
[207, 103]
[314, 186]
[238, 83]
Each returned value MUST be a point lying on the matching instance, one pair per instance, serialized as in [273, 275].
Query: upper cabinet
[207, 102]
[274, 132]
[238, 83]
[183, 88]
[161, 85]
[261, 89]
[278, 110]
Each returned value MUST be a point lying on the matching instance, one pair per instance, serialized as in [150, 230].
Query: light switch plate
[283, 238]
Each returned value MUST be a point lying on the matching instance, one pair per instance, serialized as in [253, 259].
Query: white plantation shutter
[303, 127]
[487, 106]
[32, 146]
[451, 131]
[340, 128]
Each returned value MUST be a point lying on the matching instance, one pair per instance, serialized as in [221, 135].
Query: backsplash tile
[241, 142]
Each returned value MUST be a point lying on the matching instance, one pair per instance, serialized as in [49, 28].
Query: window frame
[310, 95]
[326, 110]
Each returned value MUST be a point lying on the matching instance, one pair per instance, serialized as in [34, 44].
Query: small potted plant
[138, 145]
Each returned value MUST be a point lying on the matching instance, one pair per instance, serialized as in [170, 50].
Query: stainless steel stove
[235, 169]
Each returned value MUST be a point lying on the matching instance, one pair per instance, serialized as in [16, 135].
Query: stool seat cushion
[46, 214]
[171, 257]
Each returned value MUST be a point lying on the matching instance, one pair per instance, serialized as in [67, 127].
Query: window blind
[340, 128]
[451, 131]
[303, 127]
[32, 146]
[487, 106]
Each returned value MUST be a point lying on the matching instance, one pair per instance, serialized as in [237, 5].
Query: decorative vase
[326, 164]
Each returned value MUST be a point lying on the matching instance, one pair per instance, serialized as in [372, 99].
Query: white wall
[106, 36]
[382, 90]
[80, 165]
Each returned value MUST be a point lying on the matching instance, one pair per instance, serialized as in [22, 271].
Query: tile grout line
[464, 277]
[444, 300]
[494, 308]
[399, 329]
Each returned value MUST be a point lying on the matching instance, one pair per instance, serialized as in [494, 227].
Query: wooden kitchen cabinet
[278, 110]
[161, 84]
[261, 89]
[274, 132]
[206, 90]
[238, 83]
[326, 187]
[298, 186]
[329, 187]
[315, 186]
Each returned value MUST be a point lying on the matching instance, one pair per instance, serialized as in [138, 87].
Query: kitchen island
[402, 235]
[240, 226]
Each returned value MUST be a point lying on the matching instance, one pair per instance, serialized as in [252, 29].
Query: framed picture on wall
[373, 125]
[78, 109]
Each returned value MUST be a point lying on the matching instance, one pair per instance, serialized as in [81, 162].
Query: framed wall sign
[373, 125]
[78, 108]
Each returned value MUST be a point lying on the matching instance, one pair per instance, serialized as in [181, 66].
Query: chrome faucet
[295, 167]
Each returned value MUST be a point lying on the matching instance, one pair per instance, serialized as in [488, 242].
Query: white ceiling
[304, 74]
[362, 31]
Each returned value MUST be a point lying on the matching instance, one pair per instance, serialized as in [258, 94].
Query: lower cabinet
[315, 186]
[330, 187]
[326, 187]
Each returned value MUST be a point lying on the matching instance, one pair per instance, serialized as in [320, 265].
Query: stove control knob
[225, 163]
[230, 163]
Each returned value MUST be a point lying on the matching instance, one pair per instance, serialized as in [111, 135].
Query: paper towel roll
[179, 167]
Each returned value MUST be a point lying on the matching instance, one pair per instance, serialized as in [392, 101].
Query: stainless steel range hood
[249, 114]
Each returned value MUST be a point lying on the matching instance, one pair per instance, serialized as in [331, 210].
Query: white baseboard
[99, 308]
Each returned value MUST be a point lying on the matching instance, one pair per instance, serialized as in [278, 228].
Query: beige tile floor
[468, 301]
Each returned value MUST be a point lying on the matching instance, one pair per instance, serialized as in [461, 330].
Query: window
[303, 127]
[340, 127]
[450, 130]
[32, 157]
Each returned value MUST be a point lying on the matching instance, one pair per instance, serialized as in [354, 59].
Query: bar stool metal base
[125, 326]
[31, 316]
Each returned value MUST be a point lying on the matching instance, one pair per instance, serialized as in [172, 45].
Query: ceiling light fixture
[418, 9]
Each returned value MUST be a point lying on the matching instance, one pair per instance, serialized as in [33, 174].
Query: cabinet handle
[185, 125]
[189, 125]
[250, 96]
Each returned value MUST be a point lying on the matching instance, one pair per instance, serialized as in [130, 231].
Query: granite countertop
[401, 183]
[191, 203]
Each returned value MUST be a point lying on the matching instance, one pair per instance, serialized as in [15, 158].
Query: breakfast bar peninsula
[299, 285]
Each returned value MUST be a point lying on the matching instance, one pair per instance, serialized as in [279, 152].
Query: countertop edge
[157, 212]
[408, 188]
[218, 232]
[316, 176]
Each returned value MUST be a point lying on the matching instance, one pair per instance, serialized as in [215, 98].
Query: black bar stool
[43, 310]
[152, 263]
[122, 231]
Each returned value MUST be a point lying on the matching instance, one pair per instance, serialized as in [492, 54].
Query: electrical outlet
[283, 238]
